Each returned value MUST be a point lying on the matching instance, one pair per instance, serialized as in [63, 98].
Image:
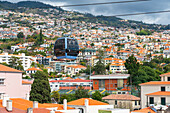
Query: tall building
[25, 60]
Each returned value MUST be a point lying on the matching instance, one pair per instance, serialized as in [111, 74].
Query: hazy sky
[113, 9]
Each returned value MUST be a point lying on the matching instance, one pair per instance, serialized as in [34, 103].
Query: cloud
[114, 9]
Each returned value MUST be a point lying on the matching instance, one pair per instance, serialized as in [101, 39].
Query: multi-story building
[74, 69]
[70, 84]
[114, 82]
[25, 60]
[156, 92]
[45, 60]
[11, 83]
[117, 67]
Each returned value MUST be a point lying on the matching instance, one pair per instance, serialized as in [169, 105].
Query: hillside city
[118, 69]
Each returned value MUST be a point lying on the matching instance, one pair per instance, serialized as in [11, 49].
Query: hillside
[108, 21]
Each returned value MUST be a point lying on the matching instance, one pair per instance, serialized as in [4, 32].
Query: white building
[25, 60]
[156, 92]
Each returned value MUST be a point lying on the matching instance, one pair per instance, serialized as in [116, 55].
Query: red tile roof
[121, 97]
[144, 110]
[82, 102]
[33, 68]
[156, 83]
[23, 104]
[165, 74]
[160, 93]
[8, 69]
[26, 82]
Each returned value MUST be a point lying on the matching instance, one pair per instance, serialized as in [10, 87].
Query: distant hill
[105, 20]
[27, 4]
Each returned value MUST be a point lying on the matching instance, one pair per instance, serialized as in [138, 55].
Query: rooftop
[121, 97]
[8, 69]
[113, 76]
[156, 83]
[82, 102]
[160, 93]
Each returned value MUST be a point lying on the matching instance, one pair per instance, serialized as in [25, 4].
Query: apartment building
[156, 92]
[74, 69]
[117, 67]
[25, 60]
[11, 83]
[113, 82]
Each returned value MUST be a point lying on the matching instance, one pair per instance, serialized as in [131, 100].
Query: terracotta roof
[43, 110]
[82, 102]
[70, 80]
[144, 110]
[14, 110]
[33, 68]
[26, 82]
[8, 69]
[23, 104]
[121, 97]
[165, 74]
[156, 83]
[160, 93]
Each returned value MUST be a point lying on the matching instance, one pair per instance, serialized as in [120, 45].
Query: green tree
[97, 96]
[55, 95]
[99, 68]
[167, 68]
[81, 93]
[20, 35]
[132, 66]
[13, 62]
[40, 89]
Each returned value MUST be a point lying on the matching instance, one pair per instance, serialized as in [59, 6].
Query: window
[123, 92]
[120, 83]
[163, 101]
[1, 81]
[136, 103]
[115, 102]
[151, 100]
[118, 92]
[139, 102]
[163, 88]
[56, 85]
[168, 78]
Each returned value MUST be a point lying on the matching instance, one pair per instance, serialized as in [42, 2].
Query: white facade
[26, 60]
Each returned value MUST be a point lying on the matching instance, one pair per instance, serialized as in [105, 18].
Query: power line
[103, 3]
[130, 14]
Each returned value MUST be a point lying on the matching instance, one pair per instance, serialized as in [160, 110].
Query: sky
[115, 9]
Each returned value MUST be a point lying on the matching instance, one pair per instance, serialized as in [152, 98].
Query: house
[113, 82]
[11, 83]
[156, 92]
[18, 105]
[49, 69]
[88, 105]
[117, 67]
[123, 101]
[74, 69]
[32, 70]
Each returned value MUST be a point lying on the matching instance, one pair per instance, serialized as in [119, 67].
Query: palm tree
[13, 61]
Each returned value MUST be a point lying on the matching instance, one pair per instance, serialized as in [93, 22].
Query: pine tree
[40, 89]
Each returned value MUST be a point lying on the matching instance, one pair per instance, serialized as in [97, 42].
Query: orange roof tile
[82, 102]
[24, 104]
[165, 74]
[33, 68]
[156, 83]
[26, 82]
[144, 110]
[8, 69]
[167, 93]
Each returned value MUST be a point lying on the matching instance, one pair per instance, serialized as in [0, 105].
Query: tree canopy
[40, 89]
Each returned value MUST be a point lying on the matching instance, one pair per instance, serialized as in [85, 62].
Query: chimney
[65, 104]
[4, 101]
[35, 104]
[52, 111]
[9, 105]
[29, 110]
[86, 106]
[86, 102]
[27, 96]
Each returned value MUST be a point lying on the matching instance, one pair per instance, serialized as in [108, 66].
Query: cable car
[66, 47]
